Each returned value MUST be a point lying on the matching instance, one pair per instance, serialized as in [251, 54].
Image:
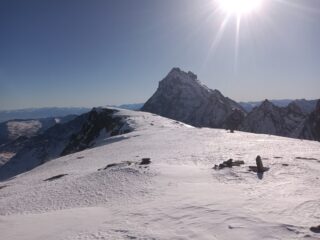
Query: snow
[23, 128]
[177, 196]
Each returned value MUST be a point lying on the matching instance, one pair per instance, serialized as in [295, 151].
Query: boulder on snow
[145, 161]
[229, 163]
[315, 229]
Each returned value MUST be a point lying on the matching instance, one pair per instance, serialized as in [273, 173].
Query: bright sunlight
[240, 7]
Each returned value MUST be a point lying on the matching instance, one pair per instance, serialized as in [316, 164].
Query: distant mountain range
[307, 106]
[131, 106]
[35, 113]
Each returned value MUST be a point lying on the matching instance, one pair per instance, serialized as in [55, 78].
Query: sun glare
[240, 7]
[235, 11]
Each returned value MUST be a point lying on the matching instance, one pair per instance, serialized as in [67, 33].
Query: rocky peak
[267, 105]
[178, 73]
[177, 78]
[294, 108]
[270, 119]
[181, 96]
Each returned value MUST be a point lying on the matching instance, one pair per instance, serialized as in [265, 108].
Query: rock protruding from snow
[270, 119]
[181, 96]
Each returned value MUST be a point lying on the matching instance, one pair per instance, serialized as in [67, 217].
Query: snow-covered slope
[177, 196]
[181, 96]
[270, 119]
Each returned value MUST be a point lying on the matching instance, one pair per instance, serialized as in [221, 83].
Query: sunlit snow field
[177, 196]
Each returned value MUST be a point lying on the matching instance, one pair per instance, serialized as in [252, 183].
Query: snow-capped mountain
[270, 119]
[61, 139]
[13, 129]
[104, 192]
[310, 129]
[181, 96]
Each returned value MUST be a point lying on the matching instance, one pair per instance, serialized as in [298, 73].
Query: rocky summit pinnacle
[181, 96]
[270, 119]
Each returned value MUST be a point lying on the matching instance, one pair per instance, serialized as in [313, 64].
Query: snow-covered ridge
[177, 196]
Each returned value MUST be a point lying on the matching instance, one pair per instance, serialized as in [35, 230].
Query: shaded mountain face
[306, 106]
[310, 128]
[61, 139]
[270, 119]
[181, 96]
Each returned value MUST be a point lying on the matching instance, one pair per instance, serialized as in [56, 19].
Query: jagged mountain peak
[177, 72]
[266, 105]
[181, 96]
[270, 119]
[179, 79]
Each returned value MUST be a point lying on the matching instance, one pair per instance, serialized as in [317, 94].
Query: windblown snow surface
[177, 196]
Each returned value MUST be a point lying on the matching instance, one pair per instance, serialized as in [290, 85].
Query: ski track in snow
[177, 196]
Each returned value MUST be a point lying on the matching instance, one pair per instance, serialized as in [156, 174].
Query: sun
[240, 7]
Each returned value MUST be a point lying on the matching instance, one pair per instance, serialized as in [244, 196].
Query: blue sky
[99, 52]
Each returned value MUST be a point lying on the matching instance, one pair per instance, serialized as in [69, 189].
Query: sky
[107, 52]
